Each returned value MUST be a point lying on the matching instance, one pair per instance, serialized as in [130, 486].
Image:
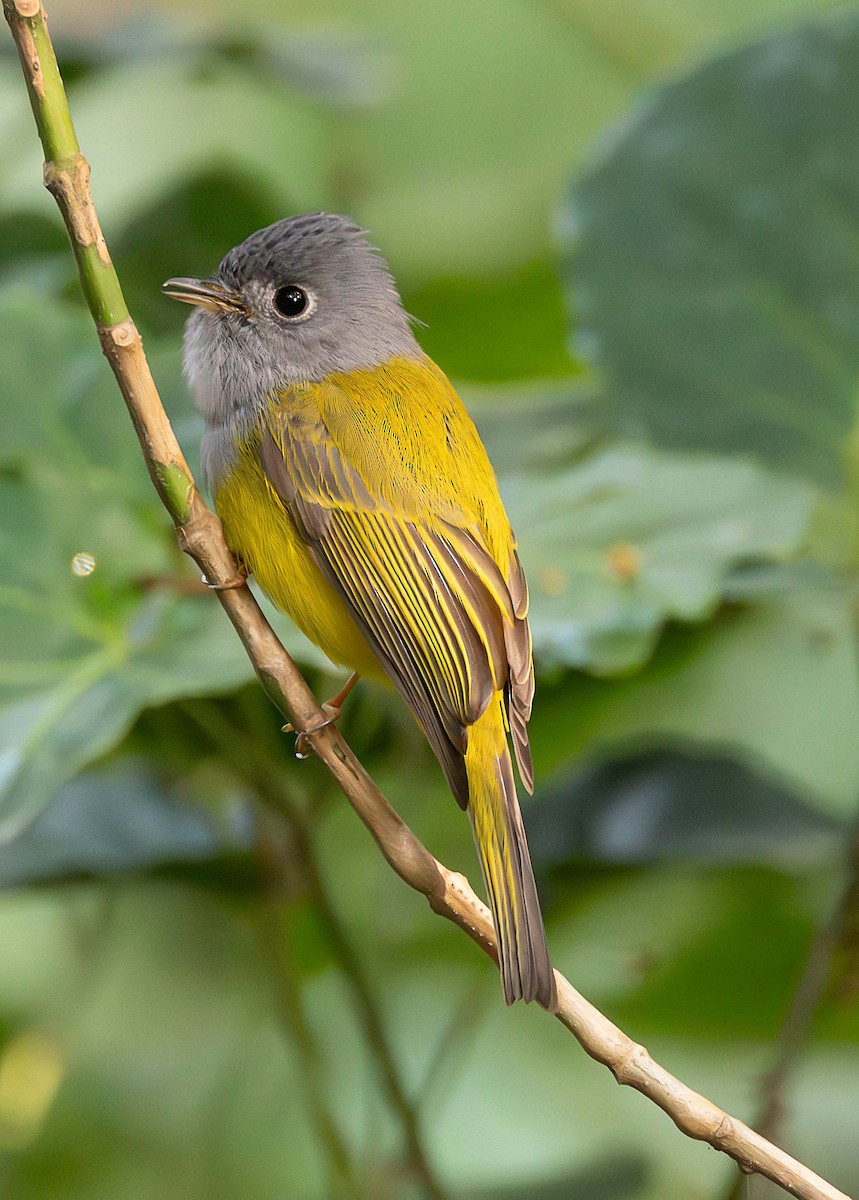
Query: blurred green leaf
[458, 171]
[429, 171]
[512, 327]
[713, 249]
[667, 802]
[121, 819]
[59, 713]
[767, 925]
[776, 683]
[632, 537]
[210, 109]
[44, 358]
[81, 656]
[332, 64]
[618, 1177]
[537, 427]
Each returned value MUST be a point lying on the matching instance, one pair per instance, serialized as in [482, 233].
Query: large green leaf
[775, 684]
[713, 249]
[81, 655]
[619, 539]
[665, 803]
[216, 113]
[629, 538]
[125, 818]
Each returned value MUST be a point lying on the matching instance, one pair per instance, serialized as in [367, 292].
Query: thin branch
[201, 536]
[812, 985]
[370, 1016]
[291, 1009]
[455, 1041]
[259, 773]
[846, 973]
[832, 935]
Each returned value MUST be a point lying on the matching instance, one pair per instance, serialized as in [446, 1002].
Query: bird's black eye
[291, 301]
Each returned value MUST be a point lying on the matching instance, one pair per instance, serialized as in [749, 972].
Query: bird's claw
[334, 709]
[235, 581]
[303, 744]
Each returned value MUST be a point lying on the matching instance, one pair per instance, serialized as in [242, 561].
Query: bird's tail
[526, 972]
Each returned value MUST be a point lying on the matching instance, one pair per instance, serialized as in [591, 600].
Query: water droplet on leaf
[83, 563]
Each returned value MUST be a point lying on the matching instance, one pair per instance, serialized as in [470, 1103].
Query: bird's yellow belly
[260, 531]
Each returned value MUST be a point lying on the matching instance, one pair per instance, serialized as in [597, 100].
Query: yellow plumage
[259, 529]
[393, 426]
[367, 509]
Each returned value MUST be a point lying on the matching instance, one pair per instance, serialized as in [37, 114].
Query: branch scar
[68, 183]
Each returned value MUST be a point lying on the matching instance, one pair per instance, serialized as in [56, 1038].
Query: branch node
[631, 1064]
[458, 883]
[19, 14]
[68, 183]
[195, 535]
[123, 334]
[725, 1133]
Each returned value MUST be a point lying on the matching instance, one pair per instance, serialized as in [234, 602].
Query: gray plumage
[233, 360]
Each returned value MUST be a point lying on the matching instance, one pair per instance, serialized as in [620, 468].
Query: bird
[353, 485]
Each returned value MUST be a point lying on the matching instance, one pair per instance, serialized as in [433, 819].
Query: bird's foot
[333, 709]
[303, 746]
[235, 581]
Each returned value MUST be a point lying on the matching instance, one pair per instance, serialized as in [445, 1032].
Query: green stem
[50, 108]
[101, 287]
[66, 170]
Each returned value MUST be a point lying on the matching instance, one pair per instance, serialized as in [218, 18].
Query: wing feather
[448, 628]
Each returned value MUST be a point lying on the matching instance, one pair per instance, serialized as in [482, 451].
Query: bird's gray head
[300, 300]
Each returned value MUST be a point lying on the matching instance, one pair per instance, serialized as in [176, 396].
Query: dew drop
[83, 563]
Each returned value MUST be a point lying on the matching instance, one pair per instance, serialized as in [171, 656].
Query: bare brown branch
[449, 894]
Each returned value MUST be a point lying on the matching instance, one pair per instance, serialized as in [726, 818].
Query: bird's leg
[335, 704]
[334, 709]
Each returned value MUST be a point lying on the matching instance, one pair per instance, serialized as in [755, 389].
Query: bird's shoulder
[395, 437]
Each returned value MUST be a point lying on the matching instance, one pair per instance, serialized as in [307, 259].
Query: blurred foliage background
[630, 229]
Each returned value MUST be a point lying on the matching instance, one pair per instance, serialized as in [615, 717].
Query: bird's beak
[208, 293]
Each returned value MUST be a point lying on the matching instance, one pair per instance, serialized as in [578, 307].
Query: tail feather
[526, 972]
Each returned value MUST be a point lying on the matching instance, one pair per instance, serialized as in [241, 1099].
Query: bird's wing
[448, 628]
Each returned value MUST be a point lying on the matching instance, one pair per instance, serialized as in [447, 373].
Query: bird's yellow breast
[404, 444]
[260, 531]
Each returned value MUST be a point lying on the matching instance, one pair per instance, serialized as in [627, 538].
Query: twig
[259, 773]
[290, 1005]
[846, 974]
[795, 1029]
[455, 1040]
[201, 536]
[812, 985]
[368, 1011]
